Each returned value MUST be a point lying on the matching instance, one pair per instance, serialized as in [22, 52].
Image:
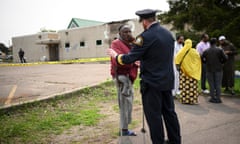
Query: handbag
[178, 66]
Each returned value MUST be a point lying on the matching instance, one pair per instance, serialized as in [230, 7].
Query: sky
[25, 17]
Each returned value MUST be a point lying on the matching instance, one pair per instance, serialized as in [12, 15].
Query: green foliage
[194, 36]
[3, 48]
[35, 122]
[215, 17]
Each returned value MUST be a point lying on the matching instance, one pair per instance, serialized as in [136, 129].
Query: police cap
[146, 13]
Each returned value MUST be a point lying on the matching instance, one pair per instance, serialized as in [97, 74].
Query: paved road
[205, 123]
[20, 84]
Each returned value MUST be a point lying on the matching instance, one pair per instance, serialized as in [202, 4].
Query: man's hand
[227, 52]
[130, 39]
[137, 63]
[112, 53]
[178, 67]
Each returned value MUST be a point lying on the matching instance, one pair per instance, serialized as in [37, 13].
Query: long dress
[189, 89]
[190, 73]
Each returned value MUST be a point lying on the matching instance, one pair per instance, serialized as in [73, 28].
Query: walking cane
[143, 130]
[143, 122]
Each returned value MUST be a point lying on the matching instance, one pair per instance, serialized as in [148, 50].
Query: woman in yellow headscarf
[189, 62]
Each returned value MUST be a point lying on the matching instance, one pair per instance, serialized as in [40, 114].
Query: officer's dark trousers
[159, 104]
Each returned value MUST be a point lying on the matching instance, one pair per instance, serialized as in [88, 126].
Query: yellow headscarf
[191, 65]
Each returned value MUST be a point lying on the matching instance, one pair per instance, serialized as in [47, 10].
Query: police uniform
[154, 48]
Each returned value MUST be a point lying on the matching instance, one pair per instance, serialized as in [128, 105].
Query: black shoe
[218, 100]
[167, 142]
[212, 100]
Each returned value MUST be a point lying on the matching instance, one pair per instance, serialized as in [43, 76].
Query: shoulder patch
[138, 41]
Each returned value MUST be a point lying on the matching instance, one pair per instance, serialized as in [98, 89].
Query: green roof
[76, 22]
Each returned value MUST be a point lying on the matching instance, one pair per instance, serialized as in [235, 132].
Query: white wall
[105, 32]
[33, 52]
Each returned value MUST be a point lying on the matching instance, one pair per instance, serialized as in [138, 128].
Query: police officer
[154, 48]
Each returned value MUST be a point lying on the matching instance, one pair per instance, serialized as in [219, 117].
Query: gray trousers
[215, 82]
[203, 76]
[125, 100]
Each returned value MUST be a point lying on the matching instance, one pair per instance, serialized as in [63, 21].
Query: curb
[62, 94]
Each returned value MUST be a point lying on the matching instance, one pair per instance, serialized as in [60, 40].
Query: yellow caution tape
[87, 60]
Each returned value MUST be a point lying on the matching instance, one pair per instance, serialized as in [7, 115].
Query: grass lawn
[90, 115]
[237, 86]
[38, 122]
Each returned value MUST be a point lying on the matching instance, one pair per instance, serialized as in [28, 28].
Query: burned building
[82, 39]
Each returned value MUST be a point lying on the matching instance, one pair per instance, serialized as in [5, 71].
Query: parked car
[9, 57]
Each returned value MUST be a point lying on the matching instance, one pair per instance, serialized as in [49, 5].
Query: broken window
[98, 42]
[67, 45]
[82, 44]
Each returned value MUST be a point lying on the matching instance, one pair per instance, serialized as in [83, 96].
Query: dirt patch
[106, 131]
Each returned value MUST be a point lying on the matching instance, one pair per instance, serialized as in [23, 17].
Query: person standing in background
[201, 47]
[214, 58]
[21, 56]
[189, 62]
[124, 76]
[228, 68]
[177, 46]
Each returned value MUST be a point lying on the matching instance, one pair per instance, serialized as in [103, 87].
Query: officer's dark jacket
[156, 56]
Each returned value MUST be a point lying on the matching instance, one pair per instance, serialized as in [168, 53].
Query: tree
[215, 17]
[3, 48]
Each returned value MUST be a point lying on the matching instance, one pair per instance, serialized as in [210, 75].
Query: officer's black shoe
[167, 142]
